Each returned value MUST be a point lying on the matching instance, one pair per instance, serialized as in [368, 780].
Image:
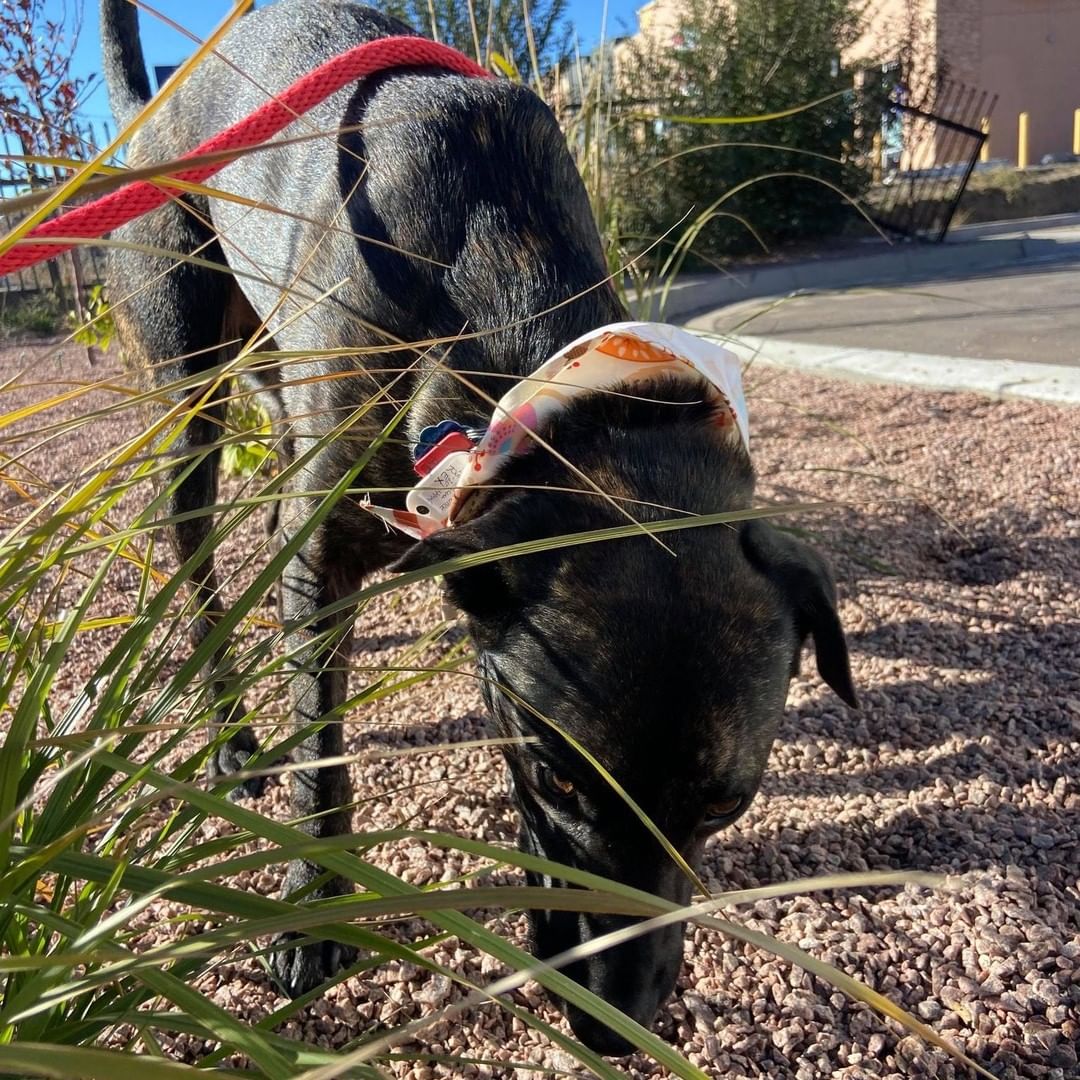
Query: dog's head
[668, 660]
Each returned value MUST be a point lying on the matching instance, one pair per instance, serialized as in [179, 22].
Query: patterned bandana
[617, 356]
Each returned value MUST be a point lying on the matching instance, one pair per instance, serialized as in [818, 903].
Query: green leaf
[87, 1063]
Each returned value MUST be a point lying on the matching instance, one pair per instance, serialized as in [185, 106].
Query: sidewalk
[995, 311]
[968, 250]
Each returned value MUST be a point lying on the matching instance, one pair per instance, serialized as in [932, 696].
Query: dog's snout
[635, 976]
[635, 973]
[596, 1035]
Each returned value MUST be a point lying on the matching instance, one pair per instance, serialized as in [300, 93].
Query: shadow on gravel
[984, 694]
[938, 831]
[912, 543]
[996, 658]
[383, 731]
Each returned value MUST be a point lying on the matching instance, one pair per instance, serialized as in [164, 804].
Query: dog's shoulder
[267, 50]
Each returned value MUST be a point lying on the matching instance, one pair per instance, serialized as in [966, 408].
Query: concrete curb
[1016, 227]
[1009, 244]
[1052, 383]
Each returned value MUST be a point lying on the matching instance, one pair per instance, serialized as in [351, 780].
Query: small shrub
[248, 457]
[94, 325]
[770, 181]
[38, 316]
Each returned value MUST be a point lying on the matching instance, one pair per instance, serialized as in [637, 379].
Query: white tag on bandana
[612, 357]
[431, 498]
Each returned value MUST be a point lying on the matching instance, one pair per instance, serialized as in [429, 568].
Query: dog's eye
[722, 809]
[558, 787]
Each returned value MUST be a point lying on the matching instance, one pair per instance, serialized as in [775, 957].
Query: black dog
[468, 214]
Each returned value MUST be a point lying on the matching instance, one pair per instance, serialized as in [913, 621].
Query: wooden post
[875, 155]
[78, 288]
[1023, 158]
[984, 153]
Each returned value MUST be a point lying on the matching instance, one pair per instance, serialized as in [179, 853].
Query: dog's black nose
[596, 1035]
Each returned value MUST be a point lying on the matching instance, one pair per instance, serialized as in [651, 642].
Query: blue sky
[162, 45]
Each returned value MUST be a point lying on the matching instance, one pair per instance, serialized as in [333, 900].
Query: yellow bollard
[1022, 145]
[1076, 133]
[984, 153]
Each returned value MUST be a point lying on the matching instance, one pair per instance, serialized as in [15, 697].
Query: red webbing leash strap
[112, 210]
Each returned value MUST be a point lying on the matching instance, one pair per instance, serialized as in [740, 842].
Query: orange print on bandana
[634, 350]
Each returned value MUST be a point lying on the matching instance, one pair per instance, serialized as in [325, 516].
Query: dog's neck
[465, 379]
[474, 177]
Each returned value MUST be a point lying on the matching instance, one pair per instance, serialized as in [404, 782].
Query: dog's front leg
[318, 649]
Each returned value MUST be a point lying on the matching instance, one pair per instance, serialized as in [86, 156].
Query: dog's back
[477, 217]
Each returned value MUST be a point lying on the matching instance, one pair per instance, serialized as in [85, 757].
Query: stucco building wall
[1025, 51]
[1028, 54]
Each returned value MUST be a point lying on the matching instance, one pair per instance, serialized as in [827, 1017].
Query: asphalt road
[1030, 313]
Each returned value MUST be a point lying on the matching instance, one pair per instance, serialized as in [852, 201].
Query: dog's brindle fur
[671, 670]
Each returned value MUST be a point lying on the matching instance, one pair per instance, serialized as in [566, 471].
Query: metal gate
[929, 150]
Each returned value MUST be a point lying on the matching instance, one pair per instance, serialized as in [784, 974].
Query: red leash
[112, 210]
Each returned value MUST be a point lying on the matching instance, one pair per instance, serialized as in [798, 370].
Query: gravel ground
[959, 562]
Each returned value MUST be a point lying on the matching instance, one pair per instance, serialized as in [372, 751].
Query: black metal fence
[929, 151]
[16, 178]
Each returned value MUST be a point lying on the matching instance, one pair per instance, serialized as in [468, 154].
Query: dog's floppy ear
[480, 591]
[804, 577]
